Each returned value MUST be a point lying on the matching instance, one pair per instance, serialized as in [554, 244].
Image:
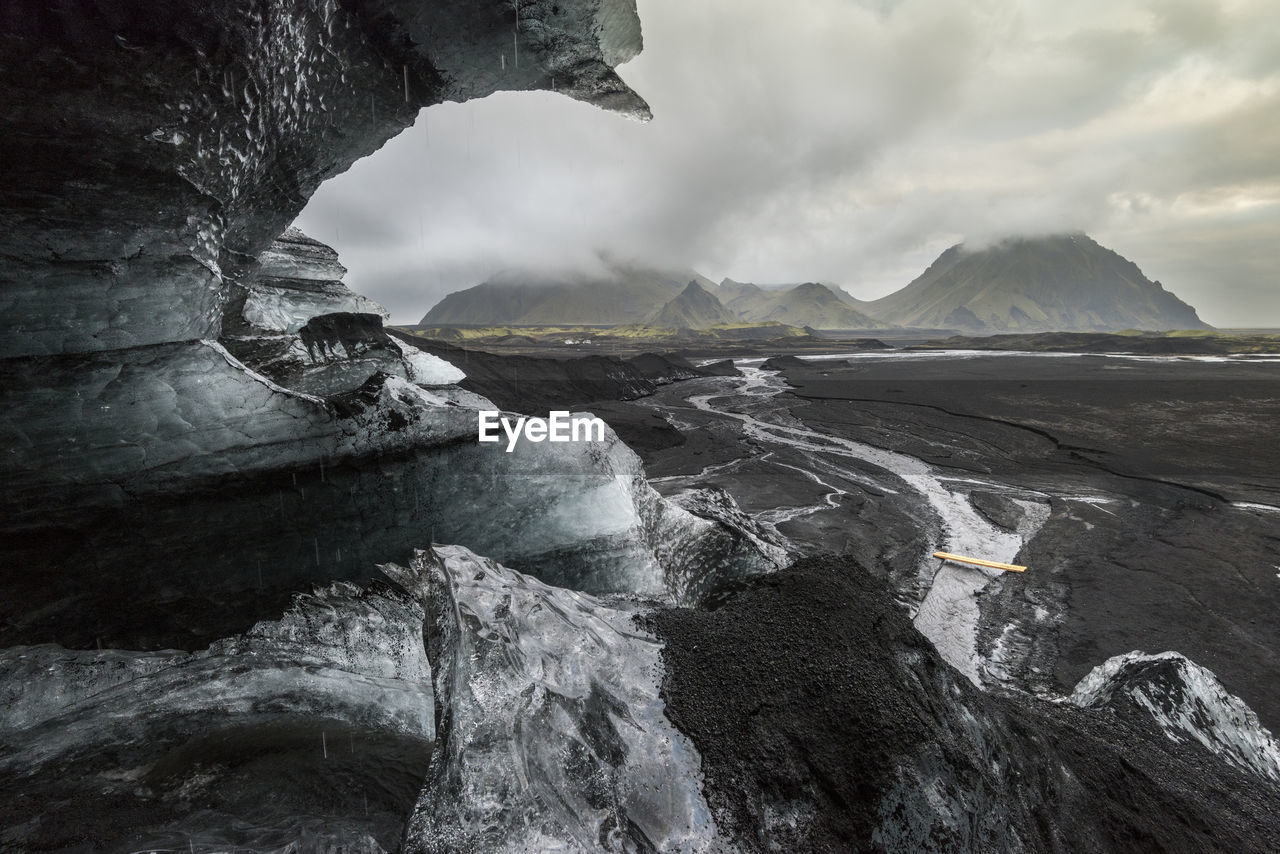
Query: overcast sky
[852, 142]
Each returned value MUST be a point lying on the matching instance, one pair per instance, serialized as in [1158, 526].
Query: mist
[851, 143]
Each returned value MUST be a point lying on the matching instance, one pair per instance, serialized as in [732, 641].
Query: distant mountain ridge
[1065, 283]
[809, 304]
[634, 295]
[619, 295]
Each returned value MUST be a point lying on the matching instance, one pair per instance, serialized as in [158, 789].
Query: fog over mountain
[1062, 282]
[852, 143]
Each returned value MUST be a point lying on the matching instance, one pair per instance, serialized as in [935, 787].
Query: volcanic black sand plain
[1158, 480]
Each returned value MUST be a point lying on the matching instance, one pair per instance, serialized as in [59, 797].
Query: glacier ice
[1187, 702]
[176, 442]
[126, 231]
[428, 368]
[279, 309]
[343, 653]
[298, 278]
[588, 519]
[311, 731]
[299, 258]
[553, 735]
[183, 411]
[294, 321]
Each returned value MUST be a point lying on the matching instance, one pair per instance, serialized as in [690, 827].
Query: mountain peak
[813, 288]
[1059, 282]
[622, 293]
[693, 308]
[810, 304]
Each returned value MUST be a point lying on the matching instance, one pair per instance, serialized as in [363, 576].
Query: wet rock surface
[826, 722]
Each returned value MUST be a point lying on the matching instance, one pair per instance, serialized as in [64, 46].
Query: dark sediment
[1151, 343]
[777, 363]
[644, 430]
[535, 385]
[1135, 554]
[1150, 420]
[1165, 564]
[811, 697]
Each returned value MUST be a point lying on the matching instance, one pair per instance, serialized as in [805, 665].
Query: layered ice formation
[201, 424]
[166, 740]
[185, 443]
[299, 278]
[173, 376]
[328, 447]
[294, 321]
[163, 150]
[553, 736]
[343, 653]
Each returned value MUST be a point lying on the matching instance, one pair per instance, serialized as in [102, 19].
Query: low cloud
[851, 142]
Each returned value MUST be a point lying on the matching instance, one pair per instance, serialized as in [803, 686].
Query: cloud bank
[851, 142]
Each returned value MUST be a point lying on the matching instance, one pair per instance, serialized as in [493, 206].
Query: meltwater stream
[948, 616]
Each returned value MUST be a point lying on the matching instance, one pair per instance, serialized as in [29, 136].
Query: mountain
[619, 295]
[741, 297]
[630, 295]
[810, 304]
[694, 308]
[1056, 283]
